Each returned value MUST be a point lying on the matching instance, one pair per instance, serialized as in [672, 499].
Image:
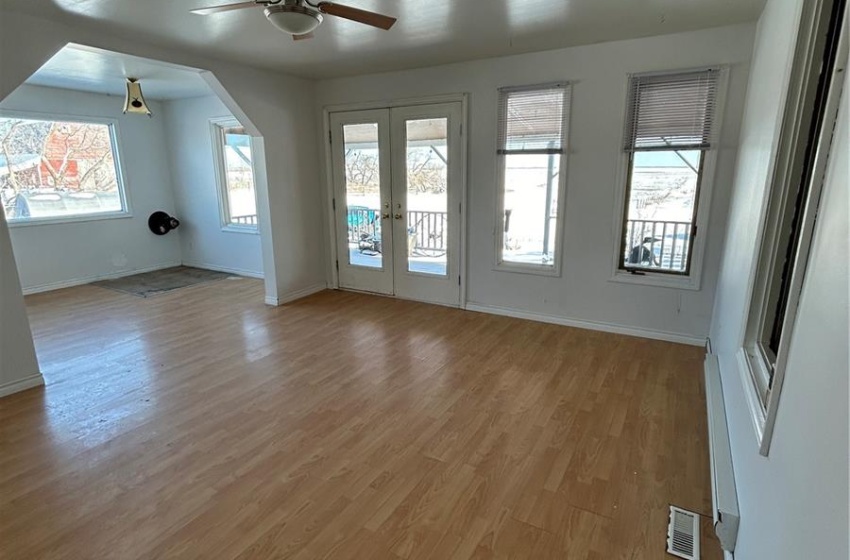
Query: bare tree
[87, 145]
[362, 170]
[18, 140]
[426, 173]
[75, 156]
[650, 200]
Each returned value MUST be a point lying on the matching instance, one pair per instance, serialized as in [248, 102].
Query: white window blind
[532, 119]
[672, 111]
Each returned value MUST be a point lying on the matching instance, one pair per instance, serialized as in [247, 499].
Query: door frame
[328, 191]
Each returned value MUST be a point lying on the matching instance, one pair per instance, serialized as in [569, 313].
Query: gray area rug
[148, 284]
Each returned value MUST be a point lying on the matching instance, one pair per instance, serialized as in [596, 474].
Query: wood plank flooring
[203, 424]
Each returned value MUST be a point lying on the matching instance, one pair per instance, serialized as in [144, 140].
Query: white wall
[203, 243]
[584, 292]
[18, 365]
[56, 255]
[277, 107]
[794, 503]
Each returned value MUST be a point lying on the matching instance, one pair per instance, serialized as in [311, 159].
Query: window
[532, 162]
[235, 172]
[670, 135]
[804, 147]
[53, 170]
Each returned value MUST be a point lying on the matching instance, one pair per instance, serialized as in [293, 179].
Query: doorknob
[399, 216]
[385, 216]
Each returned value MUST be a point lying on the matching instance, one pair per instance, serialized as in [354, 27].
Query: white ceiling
[98, 71]
[428, 32]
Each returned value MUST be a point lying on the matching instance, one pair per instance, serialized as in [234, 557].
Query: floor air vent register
[683, 534]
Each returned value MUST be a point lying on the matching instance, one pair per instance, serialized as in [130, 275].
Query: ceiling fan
[300, 17]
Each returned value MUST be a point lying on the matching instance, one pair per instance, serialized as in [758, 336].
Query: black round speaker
[161, 223]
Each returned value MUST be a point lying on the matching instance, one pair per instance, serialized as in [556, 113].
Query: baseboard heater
[724, 496]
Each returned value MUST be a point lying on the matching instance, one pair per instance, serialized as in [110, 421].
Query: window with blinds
[670, 126]
[671, 110]
[532, 135]
[532, 120]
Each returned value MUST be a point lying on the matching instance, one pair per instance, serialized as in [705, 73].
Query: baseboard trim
[21, 385]
[297, 294]
[230, 270]
[89, 279]
[591, 325]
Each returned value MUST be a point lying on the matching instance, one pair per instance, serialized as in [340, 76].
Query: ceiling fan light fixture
[295, 20]
[134, 101]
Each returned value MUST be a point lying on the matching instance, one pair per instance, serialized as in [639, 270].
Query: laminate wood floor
[203, 424]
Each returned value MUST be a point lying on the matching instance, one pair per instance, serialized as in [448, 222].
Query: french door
[397, 200]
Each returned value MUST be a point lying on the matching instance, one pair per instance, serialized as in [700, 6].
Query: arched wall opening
[86, 175]
[280, 108]
[80, 176]
[273, 107]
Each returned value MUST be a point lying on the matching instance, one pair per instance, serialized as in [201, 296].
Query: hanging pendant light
[135, 101]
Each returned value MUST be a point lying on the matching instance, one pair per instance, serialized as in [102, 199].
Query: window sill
[69, 220]
[658, 280]
[250, 230]
[534, 269]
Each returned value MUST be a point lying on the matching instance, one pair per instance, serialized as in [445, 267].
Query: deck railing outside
[362, 221]
[427, 230]
[656, 244]
[247, 220]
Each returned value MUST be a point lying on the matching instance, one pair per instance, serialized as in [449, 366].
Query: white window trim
[216, 124]
[693, 280]
[117, 156]
[499, 229]
[753, 366]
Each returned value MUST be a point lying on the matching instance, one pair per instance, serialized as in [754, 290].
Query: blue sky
[666, 159]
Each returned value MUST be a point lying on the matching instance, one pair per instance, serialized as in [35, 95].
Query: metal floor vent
[683, 534]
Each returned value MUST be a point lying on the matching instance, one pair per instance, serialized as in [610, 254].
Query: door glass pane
[427, 195]
[363, 195]
[662, 199]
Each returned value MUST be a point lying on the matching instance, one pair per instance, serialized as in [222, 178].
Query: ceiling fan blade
[225, 8]
[355, 14]
[302, 37]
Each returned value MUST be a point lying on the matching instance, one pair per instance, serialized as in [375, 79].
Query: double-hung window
[234, 162]
[670, 138]
[59, 170]
[532, 163]
[802, 157]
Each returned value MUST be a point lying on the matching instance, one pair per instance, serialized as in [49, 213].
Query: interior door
[360, 144]
[426, 201]
[397, 176]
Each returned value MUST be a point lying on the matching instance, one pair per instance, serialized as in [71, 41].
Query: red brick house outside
[78, 156]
